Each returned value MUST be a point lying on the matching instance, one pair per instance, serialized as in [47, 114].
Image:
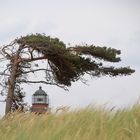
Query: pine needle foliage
[69, 63]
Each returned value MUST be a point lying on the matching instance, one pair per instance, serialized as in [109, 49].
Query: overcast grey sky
[112, 23]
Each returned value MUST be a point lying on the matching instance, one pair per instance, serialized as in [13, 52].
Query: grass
[85, 124]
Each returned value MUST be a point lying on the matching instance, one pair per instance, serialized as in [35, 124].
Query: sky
[111, 23]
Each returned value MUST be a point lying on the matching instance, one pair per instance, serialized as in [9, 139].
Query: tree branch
[1, 73]
[2, 100]
[43, 82]
[33, 59]
[25, 72]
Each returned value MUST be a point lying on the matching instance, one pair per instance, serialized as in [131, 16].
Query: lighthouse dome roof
[40, 92]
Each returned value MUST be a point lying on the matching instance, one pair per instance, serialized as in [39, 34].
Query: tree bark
[11, 84]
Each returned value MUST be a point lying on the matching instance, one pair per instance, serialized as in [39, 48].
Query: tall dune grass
[84, 124]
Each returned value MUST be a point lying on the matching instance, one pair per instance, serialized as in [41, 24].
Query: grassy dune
[85, 124]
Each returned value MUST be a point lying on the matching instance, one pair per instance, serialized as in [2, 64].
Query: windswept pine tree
[64, 64]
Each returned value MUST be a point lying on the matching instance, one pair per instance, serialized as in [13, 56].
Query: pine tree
[65, 65]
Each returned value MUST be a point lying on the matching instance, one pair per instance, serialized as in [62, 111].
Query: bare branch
[2, 59]
[5, 53]
[25, 72]
[43, 82]
[2, 100]
[1, 73]
[33, 59]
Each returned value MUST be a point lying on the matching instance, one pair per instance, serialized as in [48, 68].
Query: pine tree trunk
[11, 85]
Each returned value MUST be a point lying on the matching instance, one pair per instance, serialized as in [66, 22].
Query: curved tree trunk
[11, 84]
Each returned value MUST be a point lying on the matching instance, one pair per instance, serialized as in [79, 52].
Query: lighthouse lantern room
[40, 101]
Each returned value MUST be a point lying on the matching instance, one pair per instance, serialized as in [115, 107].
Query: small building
[40, 101]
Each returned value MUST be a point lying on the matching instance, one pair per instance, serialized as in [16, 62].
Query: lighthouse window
[39, 99]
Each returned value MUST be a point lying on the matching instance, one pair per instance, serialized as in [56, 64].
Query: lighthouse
[40, 101]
